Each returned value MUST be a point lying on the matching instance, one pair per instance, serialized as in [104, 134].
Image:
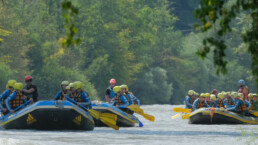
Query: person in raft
[30, 90]
[9, 90]
[241, 106]
[189, 99]
[61, 95]
[81, 96]
[243, 88]
[110, 94]
[120, 99]
[16, 99]
[200, 102]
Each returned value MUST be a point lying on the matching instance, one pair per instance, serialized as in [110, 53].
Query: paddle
[18, 108]
[140, 111]
[186, 116]
[175, 116]
[255, 114]
[107, 119]
[183, 110]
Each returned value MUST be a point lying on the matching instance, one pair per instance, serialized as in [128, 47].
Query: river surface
[161, 132]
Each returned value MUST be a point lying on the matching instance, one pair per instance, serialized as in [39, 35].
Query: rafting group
[116, 112]
[222, 108]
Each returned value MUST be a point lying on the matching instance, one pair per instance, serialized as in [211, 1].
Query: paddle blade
[109, 115]
[140, 124]
[175, 116]
[109, 122]
[186, 116]
[178, 109]
[94, 113]
[149, 117]
[255, 114]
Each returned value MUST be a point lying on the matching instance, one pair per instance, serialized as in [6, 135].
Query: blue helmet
[241, 82]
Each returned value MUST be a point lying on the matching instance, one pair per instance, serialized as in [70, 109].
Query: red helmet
[214, 91]
[27, 78]
[112, 81]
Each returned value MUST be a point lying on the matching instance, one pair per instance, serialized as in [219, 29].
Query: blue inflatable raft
[49, 115]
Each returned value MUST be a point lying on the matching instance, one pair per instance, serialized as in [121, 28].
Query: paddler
[9, 90]
[243, 88]
[62, 94]
[219, 101]
[208, 98]
[110, 94]
[189, 99]
[252, 99]
[213, 98]
[200, 102]
[120, 99]
[124, 89]
[81, 96]
[30, 90]
[228, 101]
[215, 92]
[241, 105]
[16, 99]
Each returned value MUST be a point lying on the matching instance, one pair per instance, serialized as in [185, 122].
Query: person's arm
[130, 99]
[188, 104]
[248, 104]
[8, 99]
[4, 94]
[234, 108]
[137, 101]
[207, 105]
[86, 98]
[195, 104]
[232, 101]
[124, 100]
[245, 90]
[57, 95]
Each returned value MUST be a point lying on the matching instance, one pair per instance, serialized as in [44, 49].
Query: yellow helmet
[202, 95]
[18, 86]
[71, 85]
[254, 95]
[241, 95]
[191, 92]
[78, 85]
[207, 95]
[124, 87]
[10, 83]
[65, 83]
[68, 87]
[213, 97]
[117, 89]
[250, 95]
[233, 94]
[221, 95]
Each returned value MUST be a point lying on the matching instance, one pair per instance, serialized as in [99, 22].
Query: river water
[163, 131]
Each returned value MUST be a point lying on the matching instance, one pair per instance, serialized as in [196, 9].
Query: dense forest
[148, 44]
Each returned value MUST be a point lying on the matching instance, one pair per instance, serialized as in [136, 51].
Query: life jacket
[119, 102]
[228, 101]
[191, 99]
[112, 93]
[3, 99]
[62, 96]
[17, 102]
[77, 98]
[212, 104]
[220, 103]
[209, 103]
[200, 104]
[242, 107]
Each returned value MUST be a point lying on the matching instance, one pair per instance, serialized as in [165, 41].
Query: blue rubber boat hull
[49, 115]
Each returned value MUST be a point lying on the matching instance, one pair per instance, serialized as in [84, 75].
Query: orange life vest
[220, 103]
[191, 99]
[62, 96]
[242, 107]
[118, 100]
[17, 102]
[209, 103]
[77, 98]
[200, 104]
